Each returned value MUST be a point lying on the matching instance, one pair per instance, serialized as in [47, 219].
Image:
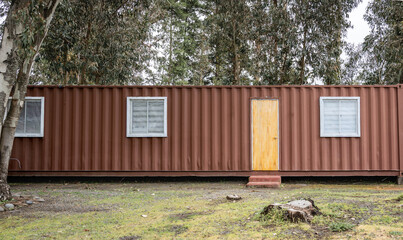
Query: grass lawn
[198, 209]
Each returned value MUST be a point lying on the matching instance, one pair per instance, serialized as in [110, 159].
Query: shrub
[396, 233]
[340, 226]
[274, 216]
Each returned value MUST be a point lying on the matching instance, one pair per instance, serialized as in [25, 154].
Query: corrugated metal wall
[208, 130]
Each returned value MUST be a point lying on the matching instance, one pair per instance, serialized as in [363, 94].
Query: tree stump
[5, 193]
[295, 211]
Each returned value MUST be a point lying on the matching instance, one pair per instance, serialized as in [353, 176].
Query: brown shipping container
[208, 133]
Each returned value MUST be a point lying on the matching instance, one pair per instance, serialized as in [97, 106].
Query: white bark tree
[25, 28]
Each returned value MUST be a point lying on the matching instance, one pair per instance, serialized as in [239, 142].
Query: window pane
[331, 116]
[348, 123]
[147, 117]
[156, 116]
[33, 116]
[331, 124]
[331, 106]
[348, 107]
[348, 116]
[340, 117]
[139, 116]
[21, 121]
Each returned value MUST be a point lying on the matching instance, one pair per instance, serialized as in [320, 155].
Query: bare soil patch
[198, 210]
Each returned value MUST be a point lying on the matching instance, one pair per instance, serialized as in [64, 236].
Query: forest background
[213, 42]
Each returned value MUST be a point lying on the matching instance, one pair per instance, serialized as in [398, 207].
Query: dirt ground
[198, 209]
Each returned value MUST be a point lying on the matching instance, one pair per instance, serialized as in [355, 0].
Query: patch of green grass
[193, 210]
[340, 226]
[395, 233]
[383, 219]
[322, 220]
[274, 216]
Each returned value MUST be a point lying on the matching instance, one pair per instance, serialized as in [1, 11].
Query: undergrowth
[340, 226]
[275, 216]
[183, 210]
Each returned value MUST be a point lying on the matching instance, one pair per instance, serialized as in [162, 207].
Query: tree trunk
[170, 70]
[8, 71]
[258, 71]
[236, 64]
[19, 84]
[85, 60]
[217, 70]
[203, 65]
[6, 142]
[337, 67]
[302, 72]
[284, 68]
[8, 57]
[65, 71]
[275, 38]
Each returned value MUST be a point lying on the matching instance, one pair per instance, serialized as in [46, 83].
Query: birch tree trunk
[8, 59]
[18, 56]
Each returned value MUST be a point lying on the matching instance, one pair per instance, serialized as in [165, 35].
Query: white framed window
[340, 117]
[31, 121]
[146, 117]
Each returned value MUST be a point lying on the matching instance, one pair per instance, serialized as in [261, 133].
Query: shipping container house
[210, 131]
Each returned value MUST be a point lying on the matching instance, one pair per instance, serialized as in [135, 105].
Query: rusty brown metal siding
[302, 148]
[208, 130]
[400, 123]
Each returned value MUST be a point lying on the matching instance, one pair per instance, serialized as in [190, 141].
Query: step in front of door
[264, 181]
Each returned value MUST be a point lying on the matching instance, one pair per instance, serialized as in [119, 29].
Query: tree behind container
[25, 28]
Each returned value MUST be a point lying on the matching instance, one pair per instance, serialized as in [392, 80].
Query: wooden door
[265, 137]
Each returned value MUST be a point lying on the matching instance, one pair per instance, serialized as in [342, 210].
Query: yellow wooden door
[265, 137]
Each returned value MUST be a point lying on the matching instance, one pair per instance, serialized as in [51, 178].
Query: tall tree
[273, 37]
[195, 42]
[229, 47]
[96, 42]
[24, 30]
[381, 53]
[179, 39]
[321, 27]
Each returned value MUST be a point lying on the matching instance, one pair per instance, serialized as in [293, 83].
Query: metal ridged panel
[400, 124]
[208, 130]
[302, 148]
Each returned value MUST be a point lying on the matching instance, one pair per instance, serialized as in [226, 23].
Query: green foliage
[30, 15]
[197, 42]
[96, 42]
[274, 216]
[383, 219]
[178, 29]
[340, 226]
[322, 220]
[395, 233]
[379, 59]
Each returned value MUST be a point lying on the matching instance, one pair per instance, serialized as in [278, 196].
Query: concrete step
[264, 184]
[265, 179]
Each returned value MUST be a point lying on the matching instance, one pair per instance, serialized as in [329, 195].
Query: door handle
[275, 137]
